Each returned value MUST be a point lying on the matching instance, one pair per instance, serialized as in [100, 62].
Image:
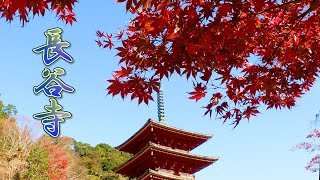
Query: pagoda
[162, 152]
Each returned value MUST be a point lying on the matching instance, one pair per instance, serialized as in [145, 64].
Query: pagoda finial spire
[160, 105]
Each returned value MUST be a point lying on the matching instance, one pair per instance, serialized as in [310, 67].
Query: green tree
[7, 111]
[2, 115]
[38, 164]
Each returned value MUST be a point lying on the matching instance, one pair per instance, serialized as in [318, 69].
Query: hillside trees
[22, 157]
[63, 161]
[15, 147]
[7, 111]
[56, 159]
[101, 160]
[38, 163]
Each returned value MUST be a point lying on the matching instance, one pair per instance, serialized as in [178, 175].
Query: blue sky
[259, 149]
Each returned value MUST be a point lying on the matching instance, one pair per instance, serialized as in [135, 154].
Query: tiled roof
[168, 150]
[164, 175]
[152, 122]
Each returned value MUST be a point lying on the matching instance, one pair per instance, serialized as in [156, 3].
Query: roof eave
[150, 122]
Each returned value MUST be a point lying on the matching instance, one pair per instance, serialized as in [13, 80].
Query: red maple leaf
[64, 9]
[198, 93]
[124, 72]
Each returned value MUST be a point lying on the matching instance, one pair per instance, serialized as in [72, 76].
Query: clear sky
[259, 149]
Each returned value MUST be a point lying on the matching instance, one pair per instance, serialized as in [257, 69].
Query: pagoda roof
[154, 156]
[155, 175]
[147, 133]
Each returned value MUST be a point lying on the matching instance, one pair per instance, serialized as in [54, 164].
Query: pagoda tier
[165, 135]
[164, 174]
[154, 156]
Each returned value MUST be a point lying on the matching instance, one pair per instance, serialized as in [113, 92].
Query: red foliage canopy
[243, 54]
[22, 8]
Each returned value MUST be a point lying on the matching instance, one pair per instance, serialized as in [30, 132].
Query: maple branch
[216, 87]
[261, 12]
[279, 6]
[296, 24]
[312, 7]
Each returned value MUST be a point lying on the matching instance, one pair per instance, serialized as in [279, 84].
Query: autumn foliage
[46, 158]
[240, 54]
[312, 146]
[59, 158]
[22, 8]
[26, 156]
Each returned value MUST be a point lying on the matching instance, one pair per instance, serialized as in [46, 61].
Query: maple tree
[241, 54]
[313, 147]
[59, 156]
[22, 8]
